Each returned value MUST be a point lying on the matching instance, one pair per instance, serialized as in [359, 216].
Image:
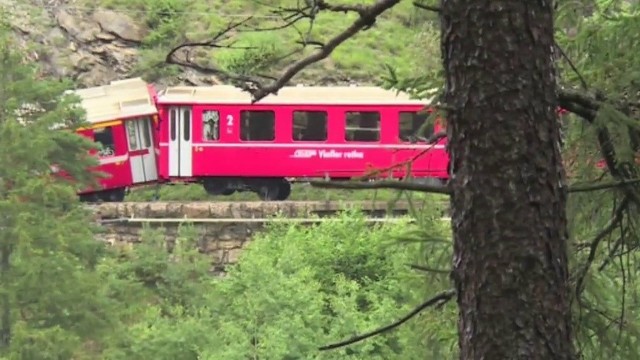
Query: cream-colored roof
[120, 99]
[299, 95]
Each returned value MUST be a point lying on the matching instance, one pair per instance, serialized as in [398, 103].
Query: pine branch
[587, 107]
[604, 186]
[606, 231]
[439, 299]
[383, 184]
[422, 6]
[428, 269]
[367, 18]
[444, 189]
[252, 84]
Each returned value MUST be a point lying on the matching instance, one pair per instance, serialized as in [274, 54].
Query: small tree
[51, 300]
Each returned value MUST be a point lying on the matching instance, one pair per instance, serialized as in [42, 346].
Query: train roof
[120, 99]
[294, 95]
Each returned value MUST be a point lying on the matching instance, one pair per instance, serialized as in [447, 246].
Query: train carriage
[122, 118]
[214, 135]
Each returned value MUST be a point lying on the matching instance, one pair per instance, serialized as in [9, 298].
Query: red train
[215, 136]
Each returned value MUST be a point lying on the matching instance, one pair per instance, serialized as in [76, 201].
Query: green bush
[294, 289]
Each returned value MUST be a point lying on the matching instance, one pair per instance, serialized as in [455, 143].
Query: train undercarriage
[267, 189]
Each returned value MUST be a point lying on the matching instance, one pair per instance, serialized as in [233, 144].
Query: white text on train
[327, 154]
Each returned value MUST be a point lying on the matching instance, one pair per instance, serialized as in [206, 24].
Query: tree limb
[443, 189]
[604, 186]
[441, 298]
[422, 6]
[618, 215]
[587, 107]
[368, 16]
[214, 42]
[383, 184]
[428, 269]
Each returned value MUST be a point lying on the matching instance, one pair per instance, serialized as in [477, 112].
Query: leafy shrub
[294, 289]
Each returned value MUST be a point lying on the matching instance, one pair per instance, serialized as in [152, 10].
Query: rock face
[93, 47]
[96, 46]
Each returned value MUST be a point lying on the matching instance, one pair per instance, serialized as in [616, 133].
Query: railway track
[249, 211]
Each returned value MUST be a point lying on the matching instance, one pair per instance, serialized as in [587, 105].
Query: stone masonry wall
[223, 228]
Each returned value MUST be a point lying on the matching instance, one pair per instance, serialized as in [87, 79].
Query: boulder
[120, 25]
[76, 26]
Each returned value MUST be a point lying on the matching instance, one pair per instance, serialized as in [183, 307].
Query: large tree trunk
[508, 182]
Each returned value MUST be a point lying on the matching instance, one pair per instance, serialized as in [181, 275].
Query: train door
[180, 141]
[142, 156]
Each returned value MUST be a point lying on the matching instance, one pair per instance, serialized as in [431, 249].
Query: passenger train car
[123, 119]
[214, 136]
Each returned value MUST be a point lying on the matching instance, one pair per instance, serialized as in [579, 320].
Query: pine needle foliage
[51, 301]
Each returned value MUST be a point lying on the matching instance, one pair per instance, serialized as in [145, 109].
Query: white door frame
[142, 155]
[180, 141]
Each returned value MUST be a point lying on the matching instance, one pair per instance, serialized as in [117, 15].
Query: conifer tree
[51, 300]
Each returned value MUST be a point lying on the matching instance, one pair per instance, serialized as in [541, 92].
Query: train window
[210, 125]
[410, 123]
[362, 126]
[310, 125]
[186, 121]
[133, 136]
[104, 136]
[147, 133]
[174, 120]
[258, 125]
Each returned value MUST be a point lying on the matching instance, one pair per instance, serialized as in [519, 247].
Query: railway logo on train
[215, 136]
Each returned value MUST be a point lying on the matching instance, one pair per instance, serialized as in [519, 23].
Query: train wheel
[115, 195]
[217, 187]
[90, 198]
[284, 190]
[268, 192]
[228, 192]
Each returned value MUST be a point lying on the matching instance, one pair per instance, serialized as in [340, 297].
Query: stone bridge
[224, 228]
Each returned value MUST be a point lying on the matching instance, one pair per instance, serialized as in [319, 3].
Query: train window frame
[213, 123]
[146, 129]
[351, 130]
[245, 124]
[411, 137]
[106, 150]
[186, 122]
[173, 120]
[132, 130]
[306, 127]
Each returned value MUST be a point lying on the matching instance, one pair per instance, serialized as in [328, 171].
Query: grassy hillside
[401, 38]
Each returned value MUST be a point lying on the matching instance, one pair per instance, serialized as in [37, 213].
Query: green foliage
[599, 45]
[259, 50]
[51, 294]
[261, 45]
[294, 289]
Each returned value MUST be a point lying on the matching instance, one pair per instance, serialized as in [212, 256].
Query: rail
[252, 220]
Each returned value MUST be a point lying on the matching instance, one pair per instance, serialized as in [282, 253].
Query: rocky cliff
[85, 41]
[91, 46]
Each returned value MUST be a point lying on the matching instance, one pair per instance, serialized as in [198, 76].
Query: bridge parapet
[222, 228]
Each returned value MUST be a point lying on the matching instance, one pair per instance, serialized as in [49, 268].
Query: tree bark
[508, 181]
